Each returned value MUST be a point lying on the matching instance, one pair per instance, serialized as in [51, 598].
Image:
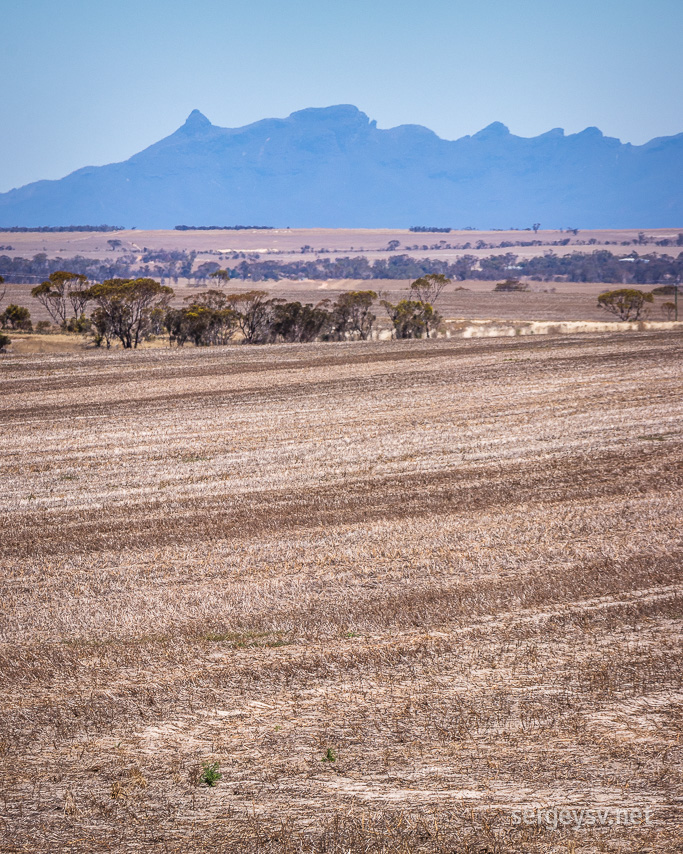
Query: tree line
[130, 310]
[426, 229]
[598, 266]
[58, 229]
[224, 228]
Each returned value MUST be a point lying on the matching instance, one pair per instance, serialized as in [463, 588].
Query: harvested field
[361, 241]
[400, 592]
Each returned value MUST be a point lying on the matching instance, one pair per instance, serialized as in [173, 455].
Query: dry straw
[454, 566]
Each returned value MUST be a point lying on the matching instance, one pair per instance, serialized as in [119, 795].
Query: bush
[16, 317]
[412, 318]
[5, 341]
[669, 310]
[510, 285]
[79, 325]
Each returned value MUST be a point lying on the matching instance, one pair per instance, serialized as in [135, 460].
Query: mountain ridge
[333, 167]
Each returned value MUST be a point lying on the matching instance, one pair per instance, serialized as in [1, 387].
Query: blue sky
[87, 82]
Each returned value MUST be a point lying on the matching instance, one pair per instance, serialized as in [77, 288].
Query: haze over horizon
[91, 84]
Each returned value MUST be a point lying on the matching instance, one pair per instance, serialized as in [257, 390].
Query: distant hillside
[332, 167]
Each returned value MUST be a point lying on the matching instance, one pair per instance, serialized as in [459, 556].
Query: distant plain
[471, 299]
[356, 241]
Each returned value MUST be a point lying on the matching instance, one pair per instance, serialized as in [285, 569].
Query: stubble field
[361, 241]
[399, 591]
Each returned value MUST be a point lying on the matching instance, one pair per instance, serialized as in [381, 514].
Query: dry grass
[453, 564]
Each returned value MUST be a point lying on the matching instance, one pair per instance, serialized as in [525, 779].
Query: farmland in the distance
[396, 590]
[361, 241]
[548, 299]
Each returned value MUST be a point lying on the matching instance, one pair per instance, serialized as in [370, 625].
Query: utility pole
[676, 301]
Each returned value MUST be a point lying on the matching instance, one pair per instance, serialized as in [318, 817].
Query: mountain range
[333, 167]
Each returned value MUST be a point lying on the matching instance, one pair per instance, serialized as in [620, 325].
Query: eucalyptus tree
[63, 295]
[125, 307]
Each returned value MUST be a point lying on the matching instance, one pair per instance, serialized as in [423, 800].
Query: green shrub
[16, 317]
[210, 775]
[80, 325]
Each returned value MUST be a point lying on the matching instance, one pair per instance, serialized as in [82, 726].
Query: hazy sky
[87, 82]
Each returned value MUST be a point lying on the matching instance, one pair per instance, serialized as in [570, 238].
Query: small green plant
[330, 756]
[210, 775]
